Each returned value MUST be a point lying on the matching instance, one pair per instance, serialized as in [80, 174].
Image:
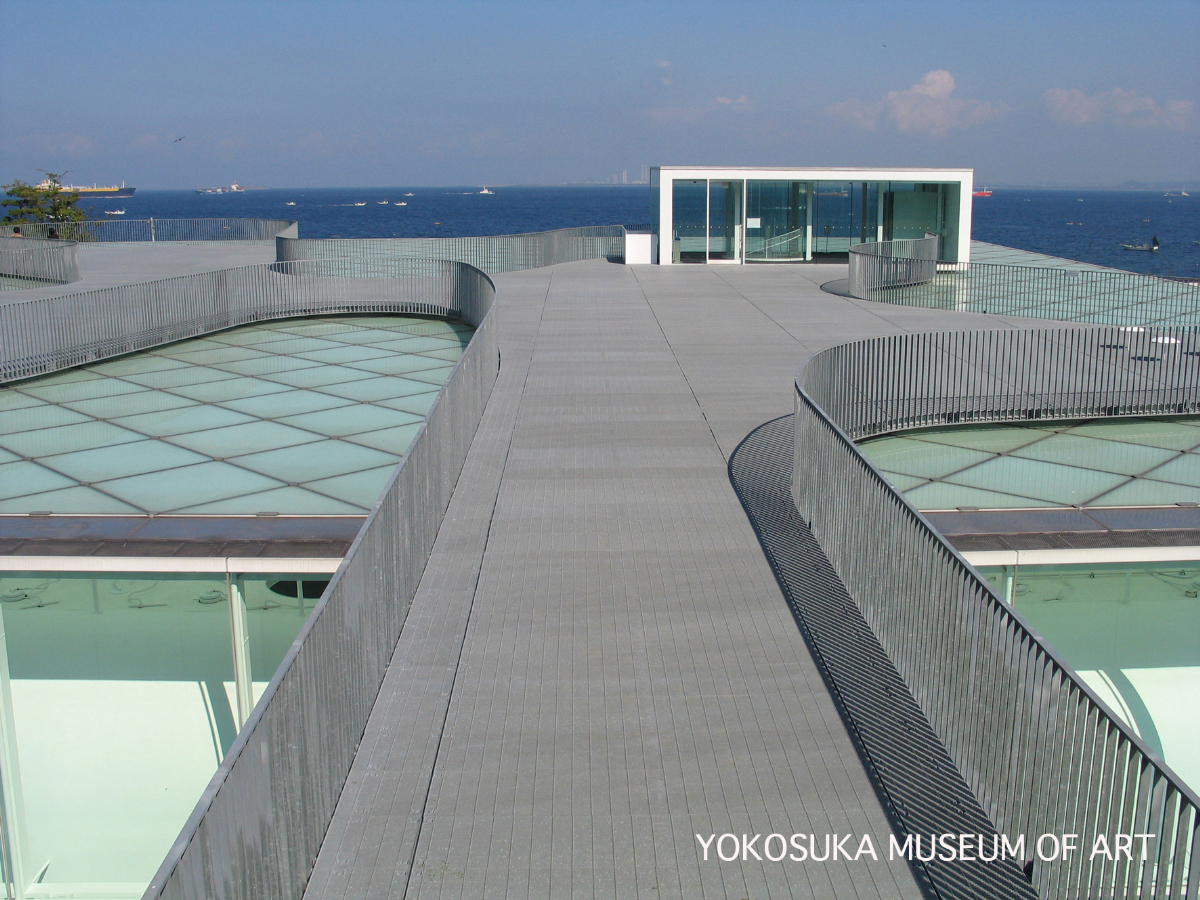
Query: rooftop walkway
[600, 663]
[104, 265]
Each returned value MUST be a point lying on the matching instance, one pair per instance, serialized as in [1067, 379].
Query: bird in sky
[178, 139]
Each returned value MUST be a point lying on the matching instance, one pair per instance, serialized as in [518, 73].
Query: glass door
[776, 221]
[724, 221]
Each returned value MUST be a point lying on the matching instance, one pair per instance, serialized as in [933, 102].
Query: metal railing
[1094, 296]
[27, 262]
[107, 231]
[491, 253]
[921, 380]
[259, 824]
[43, 335]
[880, 265]
[1040, 751]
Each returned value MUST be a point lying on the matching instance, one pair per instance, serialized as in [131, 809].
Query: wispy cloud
[665, 65]
[927, 107]
[1074, 107]
[740, 101]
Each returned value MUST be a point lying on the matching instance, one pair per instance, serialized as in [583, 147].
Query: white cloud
[927, 107]
[740, 101]
[1074, 107]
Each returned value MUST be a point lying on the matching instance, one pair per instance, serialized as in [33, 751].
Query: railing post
[151, 229]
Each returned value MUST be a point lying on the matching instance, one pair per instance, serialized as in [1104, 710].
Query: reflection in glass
[725, 220]
[833, 217]
[776, 220]
[689, 217]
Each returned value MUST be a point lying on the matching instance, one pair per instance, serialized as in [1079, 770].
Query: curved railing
[27, 262]
[1041, 752]
[491, 253]
[107, 231]
[39, 336]
[259, 824]
[921, 380]
[878, 265]
[880, 272]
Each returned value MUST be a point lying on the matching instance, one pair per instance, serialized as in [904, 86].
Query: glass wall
[806, 220]
[777, 220]
[833, 218]
[689, 238]
[912, 210]
[119, 696]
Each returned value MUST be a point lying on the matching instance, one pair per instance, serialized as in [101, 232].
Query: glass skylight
[301, 417]
[1096, 463]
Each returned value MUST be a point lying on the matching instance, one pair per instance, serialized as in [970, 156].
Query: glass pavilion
[745, 215]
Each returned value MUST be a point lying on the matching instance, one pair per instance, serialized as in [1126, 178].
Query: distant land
[1124, 186]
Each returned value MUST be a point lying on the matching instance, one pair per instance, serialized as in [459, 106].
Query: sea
[1088, 226]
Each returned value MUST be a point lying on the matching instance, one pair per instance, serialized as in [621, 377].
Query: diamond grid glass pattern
[1101, 463]
[301, 417]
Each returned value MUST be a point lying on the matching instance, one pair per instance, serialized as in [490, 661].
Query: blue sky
[303, 94]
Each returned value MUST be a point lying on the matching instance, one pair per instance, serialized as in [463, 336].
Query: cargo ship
[94, 192]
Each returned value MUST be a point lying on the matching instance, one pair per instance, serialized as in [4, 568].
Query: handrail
[1042, 753]
[31, 262]
[490, 253]
[106, 231]
[877, 265]
[891, 272]
[258, 826]
[42, 335]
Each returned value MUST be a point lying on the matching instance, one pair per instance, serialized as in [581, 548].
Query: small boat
[1176, 194]
[401, 202]
[486, 191]
[364, 203]
[290, 203]
[114, 212]
[1151, 247]
[382, 202]
[983, 192]
[409, 194]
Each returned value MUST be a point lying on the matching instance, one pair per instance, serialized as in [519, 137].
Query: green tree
[45, 202]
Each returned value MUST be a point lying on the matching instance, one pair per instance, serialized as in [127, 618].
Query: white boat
[364, 203]
[290, 203]
[486, 191]
[410, 194]
[382, 202]
[114, 212]
[401, 203]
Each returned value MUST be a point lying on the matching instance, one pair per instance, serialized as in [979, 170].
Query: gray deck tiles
[599, 663]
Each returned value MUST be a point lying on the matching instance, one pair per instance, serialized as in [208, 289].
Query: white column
[666, 219]
[965, 200]
[240, 633]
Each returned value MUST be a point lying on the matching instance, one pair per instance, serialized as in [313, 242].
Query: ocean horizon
[1084, 225]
